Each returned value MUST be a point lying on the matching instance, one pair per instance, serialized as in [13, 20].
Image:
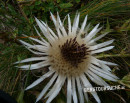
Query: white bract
[69, 55]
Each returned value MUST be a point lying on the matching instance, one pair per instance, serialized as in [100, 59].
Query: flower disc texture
[69, 54]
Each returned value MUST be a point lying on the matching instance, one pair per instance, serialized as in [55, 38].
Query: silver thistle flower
[70, 58]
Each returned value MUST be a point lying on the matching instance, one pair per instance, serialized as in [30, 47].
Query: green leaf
[125, 81]
[58, 1]
[38, 2]
[66, 5]
[20, 97]
[77, 1]
[125, 26]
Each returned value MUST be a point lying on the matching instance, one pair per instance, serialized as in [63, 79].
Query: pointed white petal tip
[110, 47]
[116, 65]
[118, 78]
[35, 18]
[113, 64]
[113, 40]
[16, 66]
[50, 12]
[36, 100]
[27, 88]
[17, 62]
[97, 24]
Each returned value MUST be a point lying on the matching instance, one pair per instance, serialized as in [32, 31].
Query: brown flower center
[73, 52]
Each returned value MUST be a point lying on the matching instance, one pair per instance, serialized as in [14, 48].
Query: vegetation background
[17, 18]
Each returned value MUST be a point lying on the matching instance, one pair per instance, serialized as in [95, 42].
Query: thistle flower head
[70, 58]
